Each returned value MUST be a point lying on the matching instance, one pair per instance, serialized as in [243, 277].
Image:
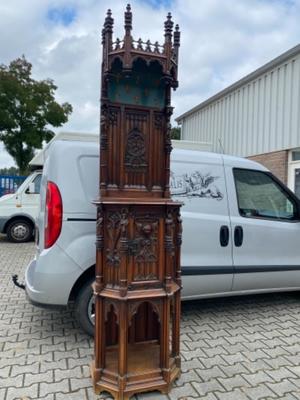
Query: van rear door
[266, 231]
[198, 180]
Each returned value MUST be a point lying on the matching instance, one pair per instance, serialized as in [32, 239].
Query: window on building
[296, 155]
[260, 196]
[297, 182]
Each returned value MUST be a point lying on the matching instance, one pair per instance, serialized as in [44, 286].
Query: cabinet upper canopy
[127, 51]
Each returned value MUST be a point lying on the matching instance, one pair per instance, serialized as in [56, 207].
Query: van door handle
[238, 236]
[224, 235]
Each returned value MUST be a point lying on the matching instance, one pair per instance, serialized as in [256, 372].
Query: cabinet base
[143, 374]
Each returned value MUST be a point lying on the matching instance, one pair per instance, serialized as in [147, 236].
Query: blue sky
[158, 3]
[222, 41]
[62, 15]
[66, 15]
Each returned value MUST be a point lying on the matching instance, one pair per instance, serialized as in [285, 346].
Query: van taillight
[53, 218]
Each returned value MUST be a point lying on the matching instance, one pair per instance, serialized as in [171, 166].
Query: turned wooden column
[138, 277]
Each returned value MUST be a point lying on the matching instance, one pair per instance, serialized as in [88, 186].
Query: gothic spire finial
[103, 35]
[168, 27]
[177, 36]
[109, 21]
[128, 19]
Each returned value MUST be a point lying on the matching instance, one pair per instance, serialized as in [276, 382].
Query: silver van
[241, 226]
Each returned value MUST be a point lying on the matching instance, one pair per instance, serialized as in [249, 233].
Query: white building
[256, 117]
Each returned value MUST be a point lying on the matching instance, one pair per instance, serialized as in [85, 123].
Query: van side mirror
[31, 188]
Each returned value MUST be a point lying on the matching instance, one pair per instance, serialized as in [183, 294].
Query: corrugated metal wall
[259, 117]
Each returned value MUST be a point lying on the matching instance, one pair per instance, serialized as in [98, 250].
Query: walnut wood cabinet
[138, 277]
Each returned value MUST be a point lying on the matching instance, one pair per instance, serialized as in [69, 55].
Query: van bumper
[48, 283]
[3, 221]
[47, 306]
[35, 296]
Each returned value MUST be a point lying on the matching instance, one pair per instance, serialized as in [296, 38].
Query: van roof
[241, 162]
[38, 159]
[183, 145]
[215, 158]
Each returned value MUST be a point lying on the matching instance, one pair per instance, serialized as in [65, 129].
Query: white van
[19, 210]
[241, 227]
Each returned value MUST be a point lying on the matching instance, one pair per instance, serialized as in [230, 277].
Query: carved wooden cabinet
[138, 278]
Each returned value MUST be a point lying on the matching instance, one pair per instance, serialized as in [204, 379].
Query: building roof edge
[246, 79]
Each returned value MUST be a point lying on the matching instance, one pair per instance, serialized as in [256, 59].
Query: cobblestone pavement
[235, 349]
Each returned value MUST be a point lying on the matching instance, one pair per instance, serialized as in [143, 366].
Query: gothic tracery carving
[99, 228]
[135, 154]
[117, 222]
[169, 234]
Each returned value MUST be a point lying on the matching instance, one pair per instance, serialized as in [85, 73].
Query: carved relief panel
[115, 226]
[132, 236]
[130, 165]
[146, 256]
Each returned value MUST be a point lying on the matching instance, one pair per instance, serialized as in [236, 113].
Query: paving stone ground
[235, 348]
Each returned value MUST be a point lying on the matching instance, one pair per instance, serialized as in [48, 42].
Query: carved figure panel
[110, 139]
[116, 235]
[145, 248]
[170, 232]
[99, 228]
[158, 120]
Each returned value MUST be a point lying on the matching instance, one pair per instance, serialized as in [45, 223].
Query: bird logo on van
[195, 184]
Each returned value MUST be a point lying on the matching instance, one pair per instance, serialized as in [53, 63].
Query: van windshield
[24, 184]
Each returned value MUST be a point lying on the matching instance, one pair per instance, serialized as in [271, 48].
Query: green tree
[27, 111]
[175, 133]
[9, 171]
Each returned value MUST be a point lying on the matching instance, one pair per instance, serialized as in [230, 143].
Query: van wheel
[19, 231]
[85, 308]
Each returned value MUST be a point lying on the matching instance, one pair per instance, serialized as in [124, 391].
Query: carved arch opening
[157, 66]
[144, 319]
[139, 63]
[116, 64]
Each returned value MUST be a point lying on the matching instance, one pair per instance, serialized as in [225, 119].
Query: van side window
[260, 196]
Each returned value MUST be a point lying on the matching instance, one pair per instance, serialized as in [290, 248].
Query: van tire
[83, 303]
[19, 231]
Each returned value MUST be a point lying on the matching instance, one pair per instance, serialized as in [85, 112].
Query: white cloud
[221, 42]
[5, 159]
